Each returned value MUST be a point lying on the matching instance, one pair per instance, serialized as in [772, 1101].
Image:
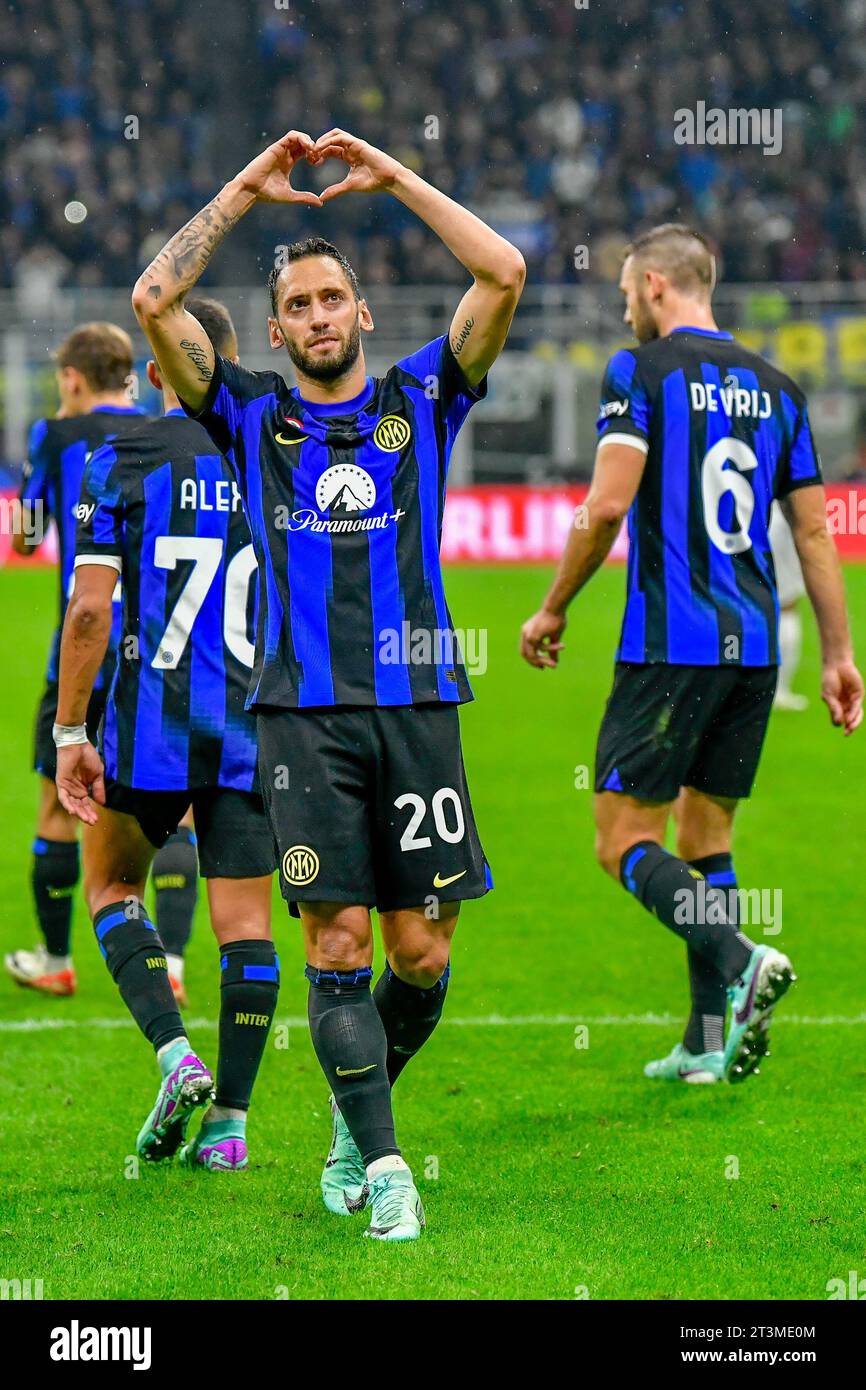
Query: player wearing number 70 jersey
[161, 508]
[697, 437]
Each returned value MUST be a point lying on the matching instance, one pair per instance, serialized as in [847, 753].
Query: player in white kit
[789, 578]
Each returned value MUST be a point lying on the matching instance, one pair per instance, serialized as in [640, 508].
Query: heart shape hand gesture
[268, 176]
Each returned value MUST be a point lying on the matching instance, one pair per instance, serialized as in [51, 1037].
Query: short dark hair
[682, 253]
[310, 246]
[216, 321]
[102, 352]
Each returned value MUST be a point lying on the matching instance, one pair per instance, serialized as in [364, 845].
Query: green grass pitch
[547, 1170]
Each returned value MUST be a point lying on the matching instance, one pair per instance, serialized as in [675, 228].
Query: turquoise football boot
[345, 1189]
[220, 1147]
[753, 997]
[699, 1069]
[397, 1213]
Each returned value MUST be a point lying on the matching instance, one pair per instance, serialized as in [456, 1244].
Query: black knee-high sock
[56, 868]
[705, 1030]
[349, 1039]
[409, 1015]
[250, 983]
[174, 874]
[681, 898]
[135, 956]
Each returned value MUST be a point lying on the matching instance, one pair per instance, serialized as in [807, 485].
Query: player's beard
[643, 323]
[332, 367]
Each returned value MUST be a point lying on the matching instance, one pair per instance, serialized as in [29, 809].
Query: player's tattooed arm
[198, 357]
[458, 342]
[480, 326]
[483, 317]
[179, 342]
[176, 268]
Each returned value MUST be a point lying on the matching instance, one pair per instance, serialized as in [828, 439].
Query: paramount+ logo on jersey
[344, 490]
[346, 493]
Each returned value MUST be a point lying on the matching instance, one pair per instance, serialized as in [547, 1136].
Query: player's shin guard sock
[56, 869]
[175, 879]
[681, 898]
[250, 983]
[134, 954]
[349, 1040]
[408, 1014]
[705, 1030]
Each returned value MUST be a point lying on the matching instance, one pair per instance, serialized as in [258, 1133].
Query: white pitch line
[49, 1025]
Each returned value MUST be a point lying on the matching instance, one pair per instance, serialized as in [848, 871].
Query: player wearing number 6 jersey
[357, 679]
[697, 437]
[161, 508]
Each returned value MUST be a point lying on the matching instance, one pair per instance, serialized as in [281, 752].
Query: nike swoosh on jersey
[299, 439]
[356, 1071]
[440, 882]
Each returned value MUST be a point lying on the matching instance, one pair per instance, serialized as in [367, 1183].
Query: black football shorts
[667, 727]
[231, 829]
[44, 751]
[370, 805]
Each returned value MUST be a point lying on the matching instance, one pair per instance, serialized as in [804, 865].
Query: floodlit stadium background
[553, 122]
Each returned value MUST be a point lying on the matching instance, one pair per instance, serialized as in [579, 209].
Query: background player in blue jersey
[162, 507]
[344, 480]
[94, 369]
[697, 436]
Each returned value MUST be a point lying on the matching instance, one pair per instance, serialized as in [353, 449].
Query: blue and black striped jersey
[345, 505]
[724, 433]
[162, 507]
[56, 456]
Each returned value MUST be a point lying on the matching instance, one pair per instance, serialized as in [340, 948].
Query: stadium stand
[96, 106]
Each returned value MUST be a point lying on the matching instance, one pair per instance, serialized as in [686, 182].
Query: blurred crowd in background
[554, 122]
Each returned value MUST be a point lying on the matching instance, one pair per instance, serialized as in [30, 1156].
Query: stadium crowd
[486, 99]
